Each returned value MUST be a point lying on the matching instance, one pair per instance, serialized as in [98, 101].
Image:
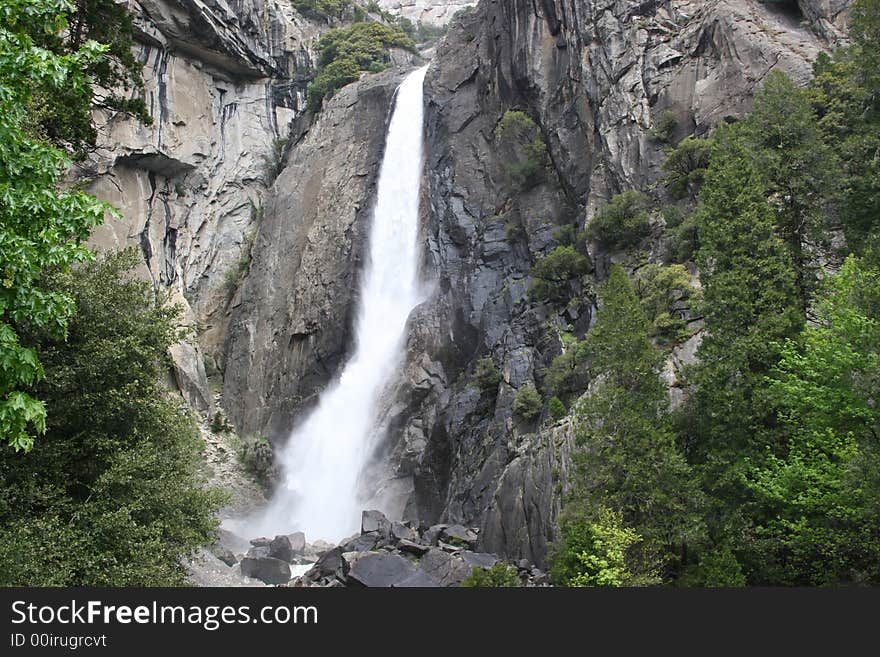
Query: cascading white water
[325, 455]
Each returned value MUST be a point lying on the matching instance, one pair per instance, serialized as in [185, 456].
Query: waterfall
[321, 462]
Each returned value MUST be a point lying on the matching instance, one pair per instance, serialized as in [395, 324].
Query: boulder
[330, 564]
[432, 534]
[412, 547]
[225, 556]
[459, 535]
[362, 543]
[375, 521]
[381, 570]
[402, 532]
[260, 542]
[280, 548]
[444, 568]
[266, 569]
[297, 542]
[419, 579]
[258, 551]
[479, 559]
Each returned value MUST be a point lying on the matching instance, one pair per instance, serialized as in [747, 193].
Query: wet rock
[375, 521]
[330, 564]
[381, 570]
[362, 543]
[281, 548]
[266, 569]
[412, 548]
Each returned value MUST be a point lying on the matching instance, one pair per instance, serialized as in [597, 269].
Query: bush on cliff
[347, 51]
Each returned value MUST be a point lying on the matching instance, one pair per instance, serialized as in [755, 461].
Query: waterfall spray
[322, 460]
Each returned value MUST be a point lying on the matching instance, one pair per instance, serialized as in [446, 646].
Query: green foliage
[41, 228]
[796, 168]
[819, 494]
[235, 275]
[555, 272]
[528, 403]
[112, 81]
[568, 374]
[597, 551]
[113, 495]
[557, 408]
[347, 51]
[258, 458]
[521, 136]
[324, 9]
[686, 165]
[623, 222]
[629, 461]
[501, 575]
[664, 126]
[664, 293]
[486, 376]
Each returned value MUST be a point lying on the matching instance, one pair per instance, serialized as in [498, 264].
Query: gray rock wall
[223, 82]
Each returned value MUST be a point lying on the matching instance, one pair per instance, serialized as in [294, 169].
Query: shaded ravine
[322, 461]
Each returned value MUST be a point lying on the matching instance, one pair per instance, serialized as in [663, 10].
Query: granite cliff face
[222, 82]
[427, 12]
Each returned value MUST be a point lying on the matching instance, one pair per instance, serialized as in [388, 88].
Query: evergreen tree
[628, 461]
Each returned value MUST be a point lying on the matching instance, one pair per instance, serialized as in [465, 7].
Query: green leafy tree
[686, 165]
[345, 52]
[596, 553]
[557, 408]
[555, 272]
[819, 494]
[623, 222]
[41, 226]
[113, 497]
[501, 575]
[796, 167]
[568, 374]
[521, 136]
[486, 376]
[665, 292]
[115, 81]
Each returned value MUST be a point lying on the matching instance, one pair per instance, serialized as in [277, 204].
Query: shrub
[113, 496]
[234, 275]
[499, 575]
[554, 273]
[486, 376]
[664, 126]
[528, 402]
[346, 51]
[686, 166]
[661, 290]
[519, 132]
[593, 552]
[557, 408]
[623, 222]
[567, 375]
[258, 459]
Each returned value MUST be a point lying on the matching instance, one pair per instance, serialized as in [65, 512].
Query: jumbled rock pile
[383, 554]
